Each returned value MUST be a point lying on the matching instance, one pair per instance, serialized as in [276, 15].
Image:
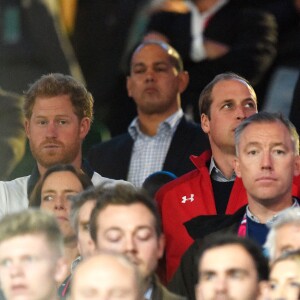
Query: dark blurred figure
[32, 43]
[215, 37]
[295, 109]
[156, 180]
[99, 39]
[12, 134]
[275, 91]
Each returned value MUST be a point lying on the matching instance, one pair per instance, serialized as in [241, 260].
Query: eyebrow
[276, 144]
[137, 228]
[142, 64]
[64, 191]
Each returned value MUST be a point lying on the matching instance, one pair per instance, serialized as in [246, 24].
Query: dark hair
[174, 56]
[57, 84]
[252, 248]
[78, 201]
[205, 99]
[156, 180]
[121, 194]
[35, 198]
[267, 117]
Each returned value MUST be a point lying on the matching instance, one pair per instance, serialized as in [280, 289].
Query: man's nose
[266, 161]
[149, 76]
[51, 130]
[15, 269]
[221, 285]
[241, 113]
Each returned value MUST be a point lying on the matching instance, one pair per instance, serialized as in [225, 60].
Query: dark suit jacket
[111, 159]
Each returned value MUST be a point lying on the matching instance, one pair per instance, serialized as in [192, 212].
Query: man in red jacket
[212, 188]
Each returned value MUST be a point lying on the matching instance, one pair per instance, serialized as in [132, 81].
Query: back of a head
[156, 180]
[107, 273]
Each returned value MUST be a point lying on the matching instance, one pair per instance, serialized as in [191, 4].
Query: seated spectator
[284, 234]
[13, 138]
[231, 267]
[156, 180]
[215, 37]
[52, 193]
[58, 114]
[126, 220]
[107, 276]
[160, 137]
[212, 188]
[31, 255]
[267, 159]
[285, 277]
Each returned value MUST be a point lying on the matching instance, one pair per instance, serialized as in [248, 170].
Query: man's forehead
[251, 130]
[151, 51]
[140, 212]
[26, 241]
[226, 250]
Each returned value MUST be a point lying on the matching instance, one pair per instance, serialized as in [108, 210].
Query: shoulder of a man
[97, 179]
[187, 183]
[13, 195]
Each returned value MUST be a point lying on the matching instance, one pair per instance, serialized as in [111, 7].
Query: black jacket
[111, 159]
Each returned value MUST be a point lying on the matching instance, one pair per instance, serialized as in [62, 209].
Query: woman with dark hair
[52, 193]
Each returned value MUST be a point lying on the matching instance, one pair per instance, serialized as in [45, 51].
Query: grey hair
[267, 117]
[289, 216]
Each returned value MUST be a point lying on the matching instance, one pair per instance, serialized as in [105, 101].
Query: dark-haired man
[160, 137]
[126, 220]
[231, 267]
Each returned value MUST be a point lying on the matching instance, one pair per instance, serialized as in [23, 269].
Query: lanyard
[242, 231]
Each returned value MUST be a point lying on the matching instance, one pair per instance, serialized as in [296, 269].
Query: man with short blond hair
[31, 255]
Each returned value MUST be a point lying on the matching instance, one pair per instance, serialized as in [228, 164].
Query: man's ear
[205, 123]
[85, 125]
[297, 166]
[184, 80]
[236, 167]
[128, 86]
[27, 127]
[161, 245]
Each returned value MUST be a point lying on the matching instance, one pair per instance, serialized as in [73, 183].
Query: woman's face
[56, 190]
[285, 280]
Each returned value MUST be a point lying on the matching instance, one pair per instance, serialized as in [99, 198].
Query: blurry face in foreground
[285, 280]
[227, 272]
[287, 239]
[29, 268]
[104, 277]
[130, 229]
[85, 243]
